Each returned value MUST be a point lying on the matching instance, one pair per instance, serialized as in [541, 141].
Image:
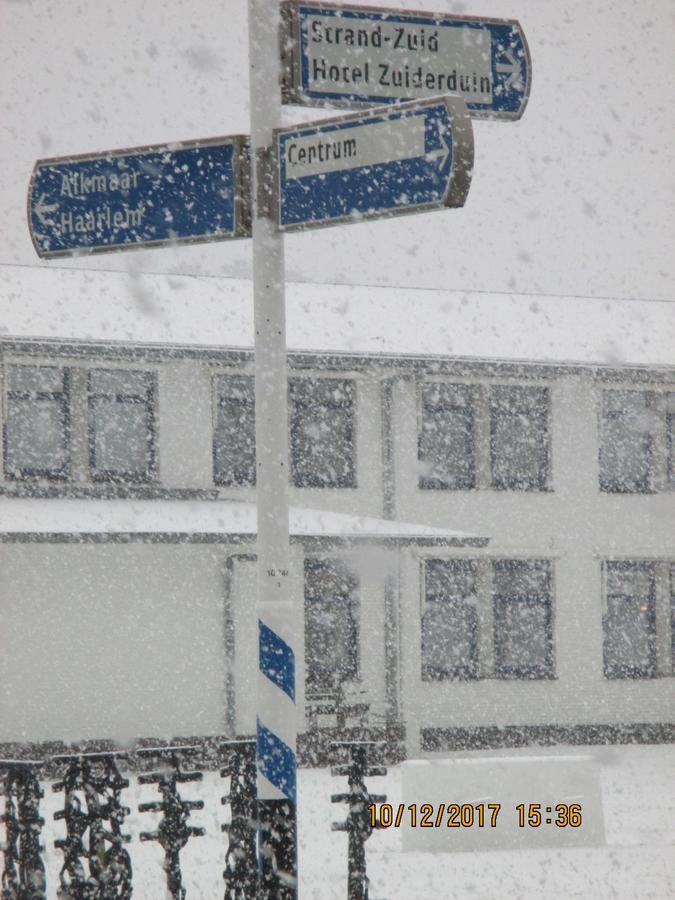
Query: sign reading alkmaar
[146, 196]
[351, 55]
[415, 157]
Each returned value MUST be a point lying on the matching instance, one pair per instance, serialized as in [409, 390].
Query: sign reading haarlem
[143, 197]
[415, 157]
[354, 55]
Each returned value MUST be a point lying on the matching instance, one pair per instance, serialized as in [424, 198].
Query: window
[331, 629]
[446, 450]
[627, 442]
[122, 425]
[483, 619]
[484, 436]
[629, 623]
[450, 620]
[522, 618]
[37, 427]
[234, 434]
[322, 432]
[519, 437]
[321, 425]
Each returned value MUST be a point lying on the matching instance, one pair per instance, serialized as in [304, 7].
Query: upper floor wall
[102, 424]
[410, 439]
[542, 461]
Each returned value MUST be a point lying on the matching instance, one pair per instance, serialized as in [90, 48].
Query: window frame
[488, 620]
[294, 416]
[671, 603]
[612, 485]
[500, 602]
[341, 566]
[670, 447]
[115, 476]
[218, 377]
[544, 484]
[483, 437]
[618, 673]
[425, 482]
[64, 398]
[471, 672]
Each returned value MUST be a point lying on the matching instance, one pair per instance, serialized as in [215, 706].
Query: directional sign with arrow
[417, 156]
[355, 56]
[146, 196]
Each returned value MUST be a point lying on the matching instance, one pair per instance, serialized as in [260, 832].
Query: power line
[379, 287]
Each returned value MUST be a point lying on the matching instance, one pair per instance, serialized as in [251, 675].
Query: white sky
[577, 198]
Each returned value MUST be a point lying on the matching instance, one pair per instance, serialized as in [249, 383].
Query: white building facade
[483, 550]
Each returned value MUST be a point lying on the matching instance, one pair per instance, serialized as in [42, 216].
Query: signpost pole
[276, 714]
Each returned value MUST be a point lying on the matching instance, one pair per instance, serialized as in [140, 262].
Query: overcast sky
[576, 198]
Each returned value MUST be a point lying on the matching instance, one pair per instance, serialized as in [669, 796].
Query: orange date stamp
[471, 815]
[428, 815]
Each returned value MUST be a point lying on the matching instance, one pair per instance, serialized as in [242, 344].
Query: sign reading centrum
[143, 197]
[414, 157]
[354, 55]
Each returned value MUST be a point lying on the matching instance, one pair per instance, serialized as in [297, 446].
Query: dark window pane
[331, 631]
[524, 640]
[234, 434]
[322, 432]
[519, 437]
[37, 438]
[670, 442]
[629, 626]
[672, 613]
[626, 442]
[36, 379]
[525, 578]
[522, 618]
[121, 425]
[446, 441]
[450, 621]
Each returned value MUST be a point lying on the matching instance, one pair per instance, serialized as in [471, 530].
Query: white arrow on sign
[513, 69]
[41, 208]
[353, 56]
[441, 153]
[412, 157]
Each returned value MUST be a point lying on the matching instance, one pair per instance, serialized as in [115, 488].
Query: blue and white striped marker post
[276, 714]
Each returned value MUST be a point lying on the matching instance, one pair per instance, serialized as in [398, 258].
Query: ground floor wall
[576, 698]
[111, 641]
[139, 639]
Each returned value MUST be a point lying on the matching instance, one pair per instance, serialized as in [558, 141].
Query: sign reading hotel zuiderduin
[384, 162]
[354, 55]
[178, 193]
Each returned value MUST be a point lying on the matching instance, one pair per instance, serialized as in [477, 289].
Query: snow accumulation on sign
[350, 56]
[415, 157]
[148, 196]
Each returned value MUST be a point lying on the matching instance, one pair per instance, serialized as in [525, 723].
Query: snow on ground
[637, 863]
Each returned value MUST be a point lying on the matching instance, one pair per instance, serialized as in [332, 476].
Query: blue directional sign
[143, 197]
[410, 158]
[351, 56]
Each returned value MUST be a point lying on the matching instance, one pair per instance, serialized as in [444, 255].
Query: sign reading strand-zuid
[356, 55]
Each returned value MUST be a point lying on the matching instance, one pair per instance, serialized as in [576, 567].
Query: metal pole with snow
[276, 714]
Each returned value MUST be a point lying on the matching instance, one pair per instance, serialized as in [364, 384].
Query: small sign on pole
[412, 158]
[358, 56]
[142, 197]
